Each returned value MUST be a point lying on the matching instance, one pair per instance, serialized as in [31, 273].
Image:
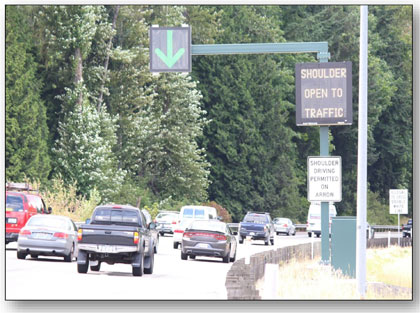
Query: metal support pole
[362, 156]
[398, 229]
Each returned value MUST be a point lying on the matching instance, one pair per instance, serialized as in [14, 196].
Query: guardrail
[235, 226]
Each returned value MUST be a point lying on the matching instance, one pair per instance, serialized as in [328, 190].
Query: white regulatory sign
[324, 179]
[398, 201]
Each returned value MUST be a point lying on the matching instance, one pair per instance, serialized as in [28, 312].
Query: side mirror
[87, 221]
[152, 225]
[49, 210]
[219, 218]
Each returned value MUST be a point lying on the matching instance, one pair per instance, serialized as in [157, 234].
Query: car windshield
[166, 216]
[14, 203]
[257, 219]
[115, 216]
[201, 225]
[48, 221]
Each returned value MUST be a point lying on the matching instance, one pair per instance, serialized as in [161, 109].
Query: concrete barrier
[242, 278]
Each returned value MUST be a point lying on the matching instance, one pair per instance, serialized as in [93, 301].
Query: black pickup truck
[116, 234]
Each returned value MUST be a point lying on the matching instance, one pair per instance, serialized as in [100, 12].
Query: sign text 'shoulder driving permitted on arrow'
[398, 201]
[170, 49]
[324, 94]
[324, 178]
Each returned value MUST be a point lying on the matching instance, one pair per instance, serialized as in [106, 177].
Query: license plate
[11, 220]
[203, 245]
[41, 235]
[107, 249]
[252, 233]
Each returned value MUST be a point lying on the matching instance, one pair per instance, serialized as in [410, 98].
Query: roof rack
[19, 187]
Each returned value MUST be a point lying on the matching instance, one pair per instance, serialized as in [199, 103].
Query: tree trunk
[101, 95]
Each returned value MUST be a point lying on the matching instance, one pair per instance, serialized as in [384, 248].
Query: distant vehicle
[258, 226]
[284, 226]
[49, 235]
[407, 228]
[153, 230]
[209, 238]
[166, 221]
[116, 234]
[314, 218]
[21, 205]
[187, 215]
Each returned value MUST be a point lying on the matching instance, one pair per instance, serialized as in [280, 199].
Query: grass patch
[311, 281]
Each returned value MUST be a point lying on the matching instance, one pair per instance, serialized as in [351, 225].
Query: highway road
[50, 278]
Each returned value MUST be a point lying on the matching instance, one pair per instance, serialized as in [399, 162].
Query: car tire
[267, 242]
[21, 255]
[226, 258]
[162, 234]
[272, 241]
[83, 268]
[96, 268]
[176, 245]
[309, 235]
[70, 256]
[192, 257]
[34, 256]
[184, 256]
[288, 233]
[294, 233]
[155, 249]
[234, 257]
[241, 240]
[149, 270]
[138, 270]
[317, 235]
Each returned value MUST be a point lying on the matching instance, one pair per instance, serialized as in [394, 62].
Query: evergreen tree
[26, 129]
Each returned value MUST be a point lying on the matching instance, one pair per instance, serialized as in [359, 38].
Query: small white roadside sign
[324, 178]
[398, 201]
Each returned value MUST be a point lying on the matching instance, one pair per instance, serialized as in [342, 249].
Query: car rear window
[257, 219]
[194, 213]
[14, 203]
[200, 225]
[115, 216]
[48, 221]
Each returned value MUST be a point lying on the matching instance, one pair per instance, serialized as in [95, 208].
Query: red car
[20, 206]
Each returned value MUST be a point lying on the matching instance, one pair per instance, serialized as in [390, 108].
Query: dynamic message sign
[324, 178]
[324, 94]
[170, 49]
[398, 201]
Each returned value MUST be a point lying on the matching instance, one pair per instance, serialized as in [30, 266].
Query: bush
[64, 200]
[221, 211]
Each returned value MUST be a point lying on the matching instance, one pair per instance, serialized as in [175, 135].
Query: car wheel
[226, 258]
[21, 255]
[70, 256]
[138, 270]
[309, 234]
[96, 268]
[272, 241]
[162, 234]
[83, 268]
[234, 257]
[266, 242]
[156, 246]
[192, 257]
[317, 235]
[151, 261]
[176, 245]
[34, 256]
[294, 233]
[241, 240]
[288, 233]
[184, 256]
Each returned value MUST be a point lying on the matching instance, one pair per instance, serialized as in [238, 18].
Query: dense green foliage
[83, 107]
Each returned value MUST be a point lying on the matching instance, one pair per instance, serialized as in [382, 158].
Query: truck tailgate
[108, 235]
[252, 226]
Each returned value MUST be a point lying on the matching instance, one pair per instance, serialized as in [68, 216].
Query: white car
[166, 222]
[284, 226]
[314, 218]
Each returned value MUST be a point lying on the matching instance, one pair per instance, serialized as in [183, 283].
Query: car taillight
[174, 222]
[285, 225]
[25, 232]
[220, 237]
[61, 235]
[79, 234]
[136, 238]
[179, 231]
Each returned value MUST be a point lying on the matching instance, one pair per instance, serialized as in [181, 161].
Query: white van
[314, 218]
[187, 215]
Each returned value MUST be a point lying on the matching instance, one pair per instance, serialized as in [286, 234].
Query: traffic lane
[173, 278]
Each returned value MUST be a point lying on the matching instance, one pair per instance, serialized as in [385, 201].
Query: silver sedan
[49, 235]
[285, 226]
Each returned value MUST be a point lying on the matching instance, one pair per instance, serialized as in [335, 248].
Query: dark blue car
[258, 226]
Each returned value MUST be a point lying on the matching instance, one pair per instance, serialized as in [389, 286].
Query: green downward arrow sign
[169, 59]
